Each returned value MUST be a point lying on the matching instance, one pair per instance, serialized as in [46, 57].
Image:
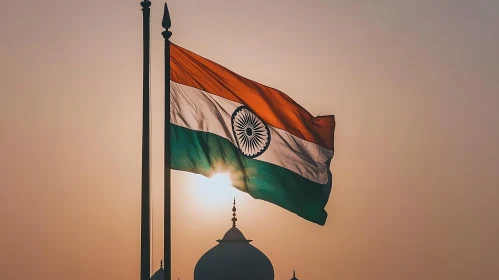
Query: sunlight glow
[216, 191]
[221, 180]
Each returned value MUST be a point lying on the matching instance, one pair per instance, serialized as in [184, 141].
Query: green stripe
[206, 153]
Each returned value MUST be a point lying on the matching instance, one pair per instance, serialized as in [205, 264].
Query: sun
[215, 191]
[221, 180]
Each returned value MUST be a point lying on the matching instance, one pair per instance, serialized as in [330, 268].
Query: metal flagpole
[167, 219]
[145, 242]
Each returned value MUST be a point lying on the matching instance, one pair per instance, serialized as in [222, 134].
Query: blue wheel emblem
[251, 134]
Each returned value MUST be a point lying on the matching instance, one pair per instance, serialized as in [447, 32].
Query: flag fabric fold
[272, 148]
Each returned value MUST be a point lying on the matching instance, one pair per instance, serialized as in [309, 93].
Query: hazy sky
[414, 87]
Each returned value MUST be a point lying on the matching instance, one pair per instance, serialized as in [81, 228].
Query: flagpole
[145, 240]
[167, 218]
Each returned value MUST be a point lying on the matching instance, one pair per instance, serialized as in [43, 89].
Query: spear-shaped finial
[167, 23]
[234, 219]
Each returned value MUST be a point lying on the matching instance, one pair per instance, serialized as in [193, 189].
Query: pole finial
[167, 23]
[234, 219]
[161, 264]
[145, 4]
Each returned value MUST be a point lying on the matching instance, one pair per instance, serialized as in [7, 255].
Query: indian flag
[273, 148]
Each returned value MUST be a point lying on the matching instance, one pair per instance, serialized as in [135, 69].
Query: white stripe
[202, 111]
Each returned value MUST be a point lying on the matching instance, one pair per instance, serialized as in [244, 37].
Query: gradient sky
[414, 86]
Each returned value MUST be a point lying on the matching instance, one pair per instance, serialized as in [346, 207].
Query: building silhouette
[160, 274]
[233, 258]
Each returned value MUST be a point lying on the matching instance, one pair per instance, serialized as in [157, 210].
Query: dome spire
[234, 219]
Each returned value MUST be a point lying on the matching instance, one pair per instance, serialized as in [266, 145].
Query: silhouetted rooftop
[234, 258]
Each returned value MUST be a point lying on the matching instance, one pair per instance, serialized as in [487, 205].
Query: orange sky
[413, 84]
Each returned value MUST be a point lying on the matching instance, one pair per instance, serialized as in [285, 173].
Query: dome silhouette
[233, 234]
[160, 274]
[234, 258]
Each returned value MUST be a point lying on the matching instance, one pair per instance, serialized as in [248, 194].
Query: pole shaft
[167, 226]
[145, 240]
[167, 220]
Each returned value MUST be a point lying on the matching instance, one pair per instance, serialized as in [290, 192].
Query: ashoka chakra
[251, 134]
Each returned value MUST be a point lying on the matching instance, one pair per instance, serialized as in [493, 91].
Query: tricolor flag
[273, 148]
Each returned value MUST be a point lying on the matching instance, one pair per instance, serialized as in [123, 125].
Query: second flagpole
[145, 220]
[167, 164]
